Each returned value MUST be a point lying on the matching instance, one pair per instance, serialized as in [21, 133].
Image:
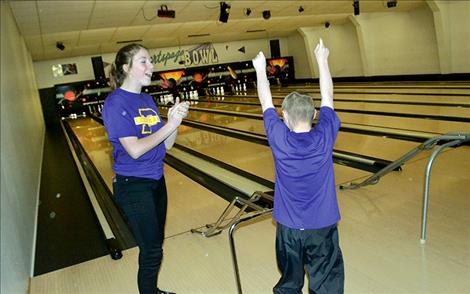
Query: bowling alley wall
[22, 139]
[429, 40]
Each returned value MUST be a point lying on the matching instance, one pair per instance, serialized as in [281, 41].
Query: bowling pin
[191, 97]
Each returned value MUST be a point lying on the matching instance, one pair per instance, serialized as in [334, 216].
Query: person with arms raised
[305, 204]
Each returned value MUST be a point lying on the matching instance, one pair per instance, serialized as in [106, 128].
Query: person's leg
[161, 202]
[136, 197]
[289, 261]
[323, 261]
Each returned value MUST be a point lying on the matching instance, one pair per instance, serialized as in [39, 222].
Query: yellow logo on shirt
[148, 118]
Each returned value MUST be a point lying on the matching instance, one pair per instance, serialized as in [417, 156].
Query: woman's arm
[137, 147]
[170, 140]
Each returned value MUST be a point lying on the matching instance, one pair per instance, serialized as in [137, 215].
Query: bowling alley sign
[203, 54]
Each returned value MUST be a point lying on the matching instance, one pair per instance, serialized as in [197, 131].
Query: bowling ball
[198, 77]
[70, 95]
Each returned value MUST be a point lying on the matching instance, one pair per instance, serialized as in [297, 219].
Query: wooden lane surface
[373, 106]
[397, 122]
[441, 89]
[415, 99]
[190, 204]
[379, 147]
[251, 157]
[378, 234]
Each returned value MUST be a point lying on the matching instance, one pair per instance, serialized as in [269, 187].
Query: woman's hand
[177, 112]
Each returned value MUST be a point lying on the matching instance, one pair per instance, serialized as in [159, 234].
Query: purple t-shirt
[304, 194]
[127, 114]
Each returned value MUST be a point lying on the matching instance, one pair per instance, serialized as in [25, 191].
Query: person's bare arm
[326, 82]
[262, 84]
[170, 140]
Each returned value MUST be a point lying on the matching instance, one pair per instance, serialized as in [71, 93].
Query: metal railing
[260, 204]
[458, 138]
[257, 213]
[233, 227]
[224, 221]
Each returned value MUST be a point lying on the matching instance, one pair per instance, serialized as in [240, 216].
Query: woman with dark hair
[140, 139]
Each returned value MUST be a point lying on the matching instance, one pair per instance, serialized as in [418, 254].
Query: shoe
[164, 292]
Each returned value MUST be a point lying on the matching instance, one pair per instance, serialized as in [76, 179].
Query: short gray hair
[299, 107]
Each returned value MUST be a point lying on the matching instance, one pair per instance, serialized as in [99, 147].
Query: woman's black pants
[144, 204]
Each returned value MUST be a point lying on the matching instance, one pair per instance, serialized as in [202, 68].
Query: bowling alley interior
[401, 159]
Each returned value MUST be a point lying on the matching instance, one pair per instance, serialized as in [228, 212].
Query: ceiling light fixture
[224, 12]
[391, 3]
[165, 13]
[356, 7]
[266, 14]
[60, 46]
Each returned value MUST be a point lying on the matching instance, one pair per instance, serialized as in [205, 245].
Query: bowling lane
[448, 95]
[190, 205]
[447, 90]
[92, 136]
[415, 98]
[405, 109]
[397, 98]
[346, 141]
[397, 122]
[406, 85]
[251, 157]
[369, 145]
[395, 109]
[457, 101]
[405, 123]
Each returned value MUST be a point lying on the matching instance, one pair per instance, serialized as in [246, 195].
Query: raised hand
[259, 62]
[326, 83]
[262, 83]
[321, 52]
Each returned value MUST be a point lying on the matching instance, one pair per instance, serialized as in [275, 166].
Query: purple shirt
[127, 114]
[304, 194]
